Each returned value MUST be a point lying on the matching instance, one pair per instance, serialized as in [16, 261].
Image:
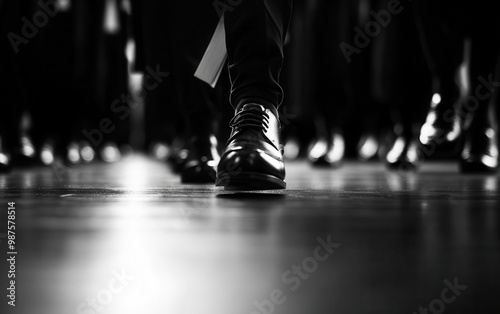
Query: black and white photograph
[249, 157]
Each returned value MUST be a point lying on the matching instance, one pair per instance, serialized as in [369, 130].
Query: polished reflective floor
[129, 238]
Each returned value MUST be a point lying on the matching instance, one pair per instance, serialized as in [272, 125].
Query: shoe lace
[250, 117]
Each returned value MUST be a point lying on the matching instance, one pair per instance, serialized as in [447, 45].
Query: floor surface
[129, 238]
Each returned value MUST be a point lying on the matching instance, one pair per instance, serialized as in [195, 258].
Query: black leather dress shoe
[253, 159]
[327, 153]
[404, 155]
[480, 152]
[442, 127]
[201, 160]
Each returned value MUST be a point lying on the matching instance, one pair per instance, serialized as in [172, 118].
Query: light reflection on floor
[196, 249]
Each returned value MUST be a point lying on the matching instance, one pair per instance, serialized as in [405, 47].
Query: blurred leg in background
[444, 27]
[20, 89]
[5, 88]
[112, 77]
[297, 78]
[402, 83]
[368, 120]
[462, 45]
[331, 93]
[55, 115]
[153, 28]
[480, 152]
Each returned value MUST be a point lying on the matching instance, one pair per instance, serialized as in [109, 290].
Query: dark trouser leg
[444, 26]
[485, 49]
[194, 22]
[480, 153]
[331, 23]
[401, 76]
[153, 36]
[255, 34]
[402, 82]
[18, 66]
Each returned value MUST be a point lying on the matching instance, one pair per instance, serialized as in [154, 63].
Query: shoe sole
[251, 181]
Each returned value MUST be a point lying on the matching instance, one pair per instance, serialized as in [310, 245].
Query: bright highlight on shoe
[337, 153]
[73, 154]
[161, 151]
[28, 150]
[369, 148]
[490, 161]
[47, 156]
[397, 150]
[412, 153]
[490, 133]
[292, 149]
[87, 153]
[436, 99]
[110, 153]
[319, 149]
[427, 132]
[4, 159]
